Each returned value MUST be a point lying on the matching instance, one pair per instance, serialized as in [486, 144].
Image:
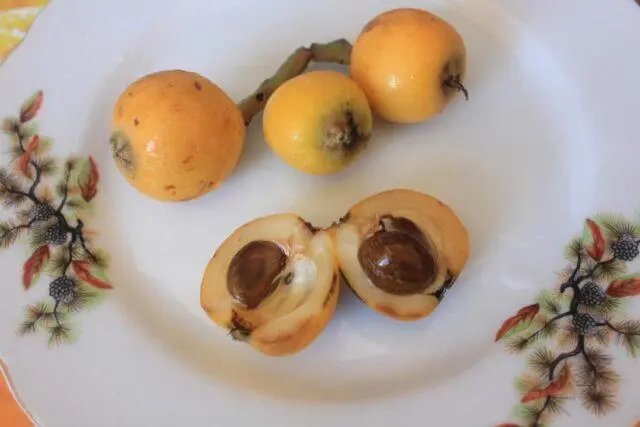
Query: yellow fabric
[16, 17]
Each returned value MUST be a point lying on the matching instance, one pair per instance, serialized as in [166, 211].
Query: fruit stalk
[337, 51]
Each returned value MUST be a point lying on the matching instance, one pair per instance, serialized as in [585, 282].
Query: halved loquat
[273, 283]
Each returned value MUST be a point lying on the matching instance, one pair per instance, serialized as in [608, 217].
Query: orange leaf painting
[81, 268]
[31, 108]
[525, 314]
[625, 287]
[22, 163]
[34, 265]
[89, 183]
[554, 388]
[594, 240]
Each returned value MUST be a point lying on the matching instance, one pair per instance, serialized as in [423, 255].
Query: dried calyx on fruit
[399, 251]
[273, 283]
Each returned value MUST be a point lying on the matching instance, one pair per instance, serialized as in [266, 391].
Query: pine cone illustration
[63, 289]
[592, 295]
[625, 248]
[584, 323]
[55, 235]
[41, 212]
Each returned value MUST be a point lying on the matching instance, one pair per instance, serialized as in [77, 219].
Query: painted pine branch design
[49, 205]
[568, 331]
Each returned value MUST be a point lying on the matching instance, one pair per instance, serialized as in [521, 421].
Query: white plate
[548, 138]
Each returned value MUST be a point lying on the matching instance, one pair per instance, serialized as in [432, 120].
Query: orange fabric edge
[11, 411]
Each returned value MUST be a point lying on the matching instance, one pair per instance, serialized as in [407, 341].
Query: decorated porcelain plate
[426, 214]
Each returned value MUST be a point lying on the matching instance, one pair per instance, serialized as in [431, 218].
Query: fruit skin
[299, 113]
[176, 135]
[401, 59]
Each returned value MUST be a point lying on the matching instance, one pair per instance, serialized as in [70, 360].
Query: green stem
[337, 51]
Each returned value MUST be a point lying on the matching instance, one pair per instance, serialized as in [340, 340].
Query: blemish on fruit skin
[197, 85]
[288, 278]
[136, 122]
[187, 160]
[238, 321]
[130, 93]
[169, 187]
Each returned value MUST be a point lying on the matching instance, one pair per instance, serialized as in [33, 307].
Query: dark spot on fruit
[177, 108]
[311, 227]
[288, 278]
[240, 329]
[260, 96]
[130, 93]
[448, 284]
[197, 85]
[169, 187]
[344, 218]
[344, 137]
[136, 122]
[187, 159]
[212, 184]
